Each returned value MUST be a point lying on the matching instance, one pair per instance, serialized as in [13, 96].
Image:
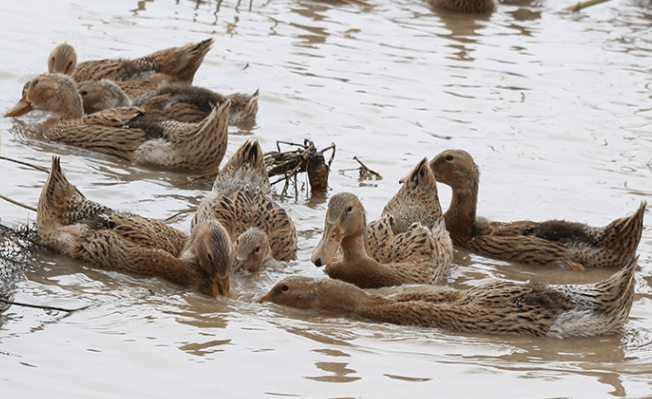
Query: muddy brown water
[554, 107]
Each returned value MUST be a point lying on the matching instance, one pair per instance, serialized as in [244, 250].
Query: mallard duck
[128, 133]
[466, 6]
[178, 63]
[555, 243]
[240, 200]
[178, 103]
[416, 254]
[88, 231]
[503, 307]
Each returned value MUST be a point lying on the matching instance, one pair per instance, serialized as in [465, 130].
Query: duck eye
[257, 250]
[84, 92]
[284, 288]
[449, 157]
[349, 209]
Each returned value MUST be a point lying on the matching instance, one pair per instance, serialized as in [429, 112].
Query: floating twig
[26, 164]
[17, 203]
[179, 213]
[584, 4]
[365, 172]
[44, 307]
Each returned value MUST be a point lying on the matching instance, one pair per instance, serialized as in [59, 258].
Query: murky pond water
[554, 107]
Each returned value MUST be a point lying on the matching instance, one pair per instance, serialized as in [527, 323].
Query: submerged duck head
[213, 248]
[63, 59]
[55, 93]
[345, 217]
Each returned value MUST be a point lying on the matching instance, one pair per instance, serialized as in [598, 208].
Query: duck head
[63, 59]
[252, 249]
[55, 93]
[98, 95]
[455, 168]
[307, 293]
[213, 248]
[345, 217]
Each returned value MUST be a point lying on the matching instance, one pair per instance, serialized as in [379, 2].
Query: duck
[554, 243]
[88, 231]
[189, 104]
[178, 64]
[465, 6]
[127, 132]
[388, 252]
[499, 308]
[240, 199]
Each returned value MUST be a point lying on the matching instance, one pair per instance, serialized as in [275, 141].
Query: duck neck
[358, 268]
[460, 216]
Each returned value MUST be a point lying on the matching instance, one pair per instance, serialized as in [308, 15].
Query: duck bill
[20, 109]
[266, 298]
[222, 287]
[327, 247]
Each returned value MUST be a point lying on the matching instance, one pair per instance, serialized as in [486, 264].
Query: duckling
[88, 231]
[179, 103]
[554, 243]
[128, 133]
[416, 255]
[240, 200]
[179, 63]
[501, 308]
[465, 6]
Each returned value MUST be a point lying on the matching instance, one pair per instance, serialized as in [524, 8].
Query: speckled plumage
[126, 132]
[178, 103]
[386, 252]
[85, 230]
[552, 243]
[502, 308]
[240, 200]
[179, 64]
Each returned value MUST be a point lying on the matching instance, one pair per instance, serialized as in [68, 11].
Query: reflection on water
[552, 106]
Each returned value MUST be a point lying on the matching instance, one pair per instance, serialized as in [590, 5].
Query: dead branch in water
[584, 4]
[44, 307]
[365, 172]
[305, 158]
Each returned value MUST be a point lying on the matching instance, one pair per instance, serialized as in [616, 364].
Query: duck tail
[417, 200]
[600, 308]
[180, 62]
[60, 203]
[246, 166]
[244, 106]
[623, 235]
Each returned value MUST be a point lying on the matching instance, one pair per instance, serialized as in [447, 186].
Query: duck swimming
[501, 308]
[179, 64]
[554, 243]
[240, 200]
[179, 103]
[128, 133]
[389, 251]
[88, 231]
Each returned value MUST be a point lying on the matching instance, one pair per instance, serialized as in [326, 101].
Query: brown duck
[240, 200]
[128, 133]
[178, 64]
[554, 243]
[189, 104]
[88, 231]
[399, 248]
[502, 308]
